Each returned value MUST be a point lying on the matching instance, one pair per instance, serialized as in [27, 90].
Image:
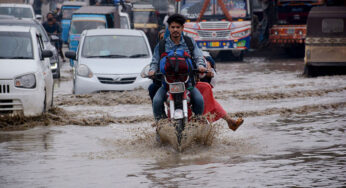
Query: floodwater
[293, 136]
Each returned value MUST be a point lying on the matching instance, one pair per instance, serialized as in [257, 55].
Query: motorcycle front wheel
[179, 126]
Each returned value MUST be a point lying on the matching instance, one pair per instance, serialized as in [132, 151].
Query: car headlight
[25, 81]
[53, 66]
[145, 71]
[84, 71]
[241, 34]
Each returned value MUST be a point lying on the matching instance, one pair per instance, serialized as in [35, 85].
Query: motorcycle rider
[52, 27]
[174, 42]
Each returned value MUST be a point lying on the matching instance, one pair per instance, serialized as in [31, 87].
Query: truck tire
[309, 71]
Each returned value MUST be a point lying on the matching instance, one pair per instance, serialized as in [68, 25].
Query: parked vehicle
[47, 43]
[145, 19]
[325, 41]
[91, 17]
[19, 11]
[67, 9]
[289, 30]
[26, 82]
[110, 59]
[219, 26]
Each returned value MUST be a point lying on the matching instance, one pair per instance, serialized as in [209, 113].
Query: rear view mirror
[71, 55]
[38, 17]
[47, 53]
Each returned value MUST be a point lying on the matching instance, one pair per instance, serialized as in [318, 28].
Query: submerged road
[293, 136]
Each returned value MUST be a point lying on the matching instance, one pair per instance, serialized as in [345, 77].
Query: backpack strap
[191, 48]
[162, 48]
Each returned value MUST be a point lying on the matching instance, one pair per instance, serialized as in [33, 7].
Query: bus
[221, 26]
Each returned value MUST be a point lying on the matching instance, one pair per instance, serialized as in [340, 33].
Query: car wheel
[74, 87]
[58, 73]
[52, 101]
[44, 102]
[238, 55]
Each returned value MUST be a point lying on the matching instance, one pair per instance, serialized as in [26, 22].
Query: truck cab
[145, 18]
[67, 10]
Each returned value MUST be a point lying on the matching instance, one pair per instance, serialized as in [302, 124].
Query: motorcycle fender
[178, 114]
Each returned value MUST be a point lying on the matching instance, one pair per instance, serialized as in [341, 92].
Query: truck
[289, 29]
[222, 27]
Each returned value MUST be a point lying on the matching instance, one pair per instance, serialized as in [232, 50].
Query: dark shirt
[50, 29]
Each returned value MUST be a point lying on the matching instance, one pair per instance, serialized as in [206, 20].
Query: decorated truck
[289, 30]
[222, 26]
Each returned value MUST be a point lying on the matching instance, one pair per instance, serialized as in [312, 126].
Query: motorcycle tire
[179, 126]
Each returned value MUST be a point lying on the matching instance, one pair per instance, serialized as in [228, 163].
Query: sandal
[237, 124]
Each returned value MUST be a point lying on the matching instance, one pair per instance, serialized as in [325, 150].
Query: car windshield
[67, 13]
[15, 45]
[236, 9]
[144, 17]
[18, 12]
[112, 46]
[78, 26]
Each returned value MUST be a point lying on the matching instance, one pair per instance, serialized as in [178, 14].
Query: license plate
[178, 87]
[215, 44]
[290, 31]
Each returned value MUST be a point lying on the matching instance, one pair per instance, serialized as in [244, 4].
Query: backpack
[178, 61]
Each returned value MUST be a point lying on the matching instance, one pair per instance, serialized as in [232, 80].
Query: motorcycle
[178, 105]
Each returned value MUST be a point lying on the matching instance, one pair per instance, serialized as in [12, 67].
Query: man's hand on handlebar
[202, 69]
[151, 74]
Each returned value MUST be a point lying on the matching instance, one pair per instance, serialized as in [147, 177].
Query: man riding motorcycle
[53, 28]
[172, 43]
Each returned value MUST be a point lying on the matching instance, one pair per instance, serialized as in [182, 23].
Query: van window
[332, 25]
[145, 17]
[67, 13]
[78, 26]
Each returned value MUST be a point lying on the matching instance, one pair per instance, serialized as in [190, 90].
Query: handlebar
[197, 71]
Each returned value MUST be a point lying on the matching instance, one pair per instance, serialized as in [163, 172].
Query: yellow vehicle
[325, 44]
[145, 18]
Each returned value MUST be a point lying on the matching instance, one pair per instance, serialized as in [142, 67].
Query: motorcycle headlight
[25, 81]
[241, 34]
[84, 71]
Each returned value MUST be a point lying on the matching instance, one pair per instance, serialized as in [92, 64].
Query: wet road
[293, 136]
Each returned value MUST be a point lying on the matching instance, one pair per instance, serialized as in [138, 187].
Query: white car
[110, 59]
[54, 60]
[26, 81]
[18, 10]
